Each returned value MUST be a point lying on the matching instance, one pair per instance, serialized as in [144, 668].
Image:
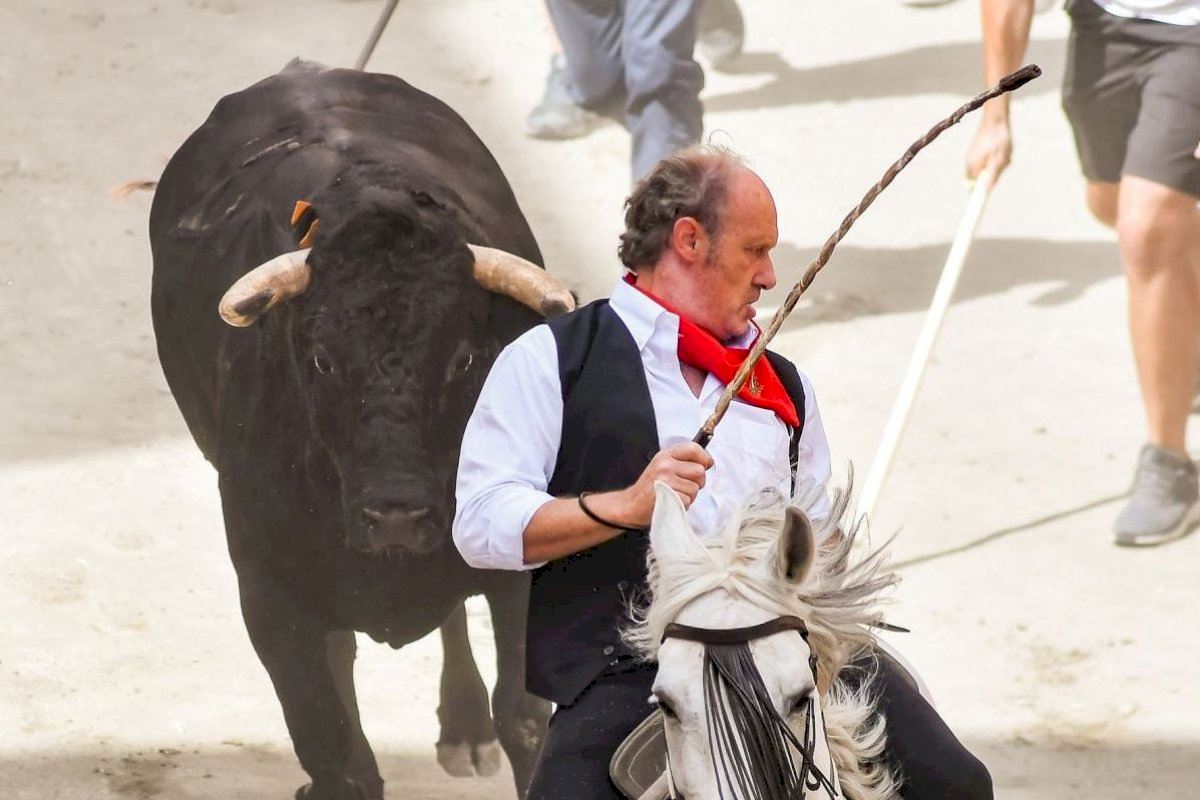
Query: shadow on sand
[951, 69]
[863, 282]
[1043, 763]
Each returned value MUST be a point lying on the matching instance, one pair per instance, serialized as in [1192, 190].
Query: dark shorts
[1132, 93]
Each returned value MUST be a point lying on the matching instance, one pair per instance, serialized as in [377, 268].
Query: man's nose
[766, 278]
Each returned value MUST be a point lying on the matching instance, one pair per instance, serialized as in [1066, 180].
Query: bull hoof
[456, 759]
[344, 789]
[486, 758]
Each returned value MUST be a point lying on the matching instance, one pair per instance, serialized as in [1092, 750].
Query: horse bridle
[810, 775]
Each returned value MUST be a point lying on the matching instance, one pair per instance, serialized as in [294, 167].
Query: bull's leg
[521, 718]
[340, 650]
[292, 646]
[467, 745]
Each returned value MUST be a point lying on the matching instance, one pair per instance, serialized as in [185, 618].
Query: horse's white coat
[737, 580]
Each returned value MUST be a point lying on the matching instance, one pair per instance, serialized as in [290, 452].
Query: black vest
[577, 604]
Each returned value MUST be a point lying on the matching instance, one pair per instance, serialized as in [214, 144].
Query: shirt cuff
[511, 509]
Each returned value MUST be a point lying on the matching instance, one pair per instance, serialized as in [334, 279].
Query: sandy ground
[125, 672]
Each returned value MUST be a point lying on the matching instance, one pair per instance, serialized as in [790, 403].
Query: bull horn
[503, 273]
[256, 292]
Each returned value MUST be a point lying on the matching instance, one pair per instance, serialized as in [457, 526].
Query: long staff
[1007, 84]
[925, 342]
[365, 54]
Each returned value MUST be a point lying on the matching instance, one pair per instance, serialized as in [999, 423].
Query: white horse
[751, 629]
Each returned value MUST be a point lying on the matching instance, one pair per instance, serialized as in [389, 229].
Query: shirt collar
[639, 313]
[641, 316]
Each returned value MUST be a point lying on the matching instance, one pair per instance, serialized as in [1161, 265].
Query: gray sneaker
[556, 116]
[1164, 502]
[720, 32]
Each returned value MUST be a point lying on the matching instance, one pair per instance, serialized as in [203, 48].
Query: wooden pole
[365, 55]
[942, 296]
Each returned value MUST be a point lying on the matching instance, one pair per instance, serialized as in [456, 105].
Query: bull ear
[669, 528]
[796, 547]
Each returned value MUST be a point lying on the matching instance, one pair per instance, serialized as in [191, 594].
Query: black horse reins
[743, 722]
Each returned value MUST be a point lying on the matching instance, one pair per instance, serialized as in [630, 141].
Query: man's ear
[689, 240]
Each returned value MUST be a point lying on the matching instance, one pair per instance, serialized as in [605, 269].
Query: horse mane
[839, 600]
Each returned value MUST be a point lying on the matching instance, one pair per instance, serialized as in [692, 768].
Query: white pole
[925, 342]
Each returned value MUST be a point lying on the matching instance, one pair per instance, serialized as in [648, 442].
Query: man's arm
[1005, 37]
[560, 527]
[504, 517]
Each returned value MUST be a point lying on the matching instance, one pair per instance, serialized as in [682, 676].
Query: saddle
[641, 760]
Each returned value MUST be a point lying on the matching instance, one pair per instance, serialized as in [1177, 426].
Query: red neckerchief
[702, 350]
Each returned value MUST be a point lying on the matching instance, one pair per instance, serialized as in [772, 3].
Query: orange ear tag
[298, 212]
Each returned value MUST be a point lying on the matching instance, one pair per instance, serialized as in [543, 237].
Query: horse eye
[794, 704]
[664, 706]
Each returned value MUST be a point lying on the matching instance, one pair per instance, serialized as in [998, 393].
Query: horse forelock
[836, 598]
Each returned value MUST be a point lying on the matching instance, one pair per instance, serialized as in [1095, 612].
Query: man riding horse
[581, 416]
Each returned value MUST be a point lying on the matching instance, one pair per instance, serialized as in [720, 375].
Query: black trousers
[583, 736]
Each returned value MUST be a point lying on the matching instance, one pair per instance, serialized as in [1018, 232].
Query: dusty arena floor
[1067, 664]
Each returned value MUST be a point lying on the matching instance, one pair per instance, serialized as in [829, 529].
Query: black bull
[334, 422]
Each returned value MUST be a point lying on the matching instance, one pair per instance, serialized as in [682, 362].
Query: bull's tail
[123, 190]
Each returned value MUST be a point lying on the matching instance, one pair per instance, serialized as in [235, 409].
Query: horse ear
[668, 525]
[796, 548]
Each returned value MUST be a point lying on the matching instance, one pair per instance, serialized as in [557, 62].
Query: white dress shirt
[510, 446]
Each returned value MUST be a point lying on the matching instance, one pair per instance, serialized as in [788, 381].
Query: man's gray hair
[691, 183]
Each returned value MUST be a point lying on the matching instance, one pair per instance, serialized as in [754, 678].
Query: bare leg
[467, 745]
[1158, 229]
[1102, 201]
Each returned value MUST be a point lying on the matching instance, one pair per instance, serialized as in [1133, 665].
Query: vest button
[608, 651]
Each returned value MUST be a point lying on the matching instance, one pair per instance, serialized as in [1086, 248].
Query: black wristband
[594, 517]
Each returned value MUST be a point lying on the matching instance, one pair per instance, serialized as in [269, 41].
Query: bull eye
[321, 362]
[460, 365]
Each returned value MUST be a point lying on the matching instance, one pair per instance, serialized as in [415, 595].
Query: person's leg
[720, 32]
[585, 68]
[590, 34]
[1102, 199]
[1158, 229]
[662, 79]
[931, 761]
[1134, 107]
[584, 735]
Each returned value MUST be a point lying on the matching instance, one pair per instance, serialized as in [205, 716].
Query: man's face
[737, 268]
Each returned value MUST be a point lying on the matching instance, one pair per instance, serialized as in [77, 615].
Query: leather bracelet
[594, 517]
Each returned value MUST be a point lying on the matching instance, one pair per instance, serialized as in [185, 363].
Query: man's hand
[680, 466]
[991, 148]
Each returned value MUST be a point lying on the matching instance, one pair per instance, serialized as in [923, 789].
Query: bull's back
[224, 202]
